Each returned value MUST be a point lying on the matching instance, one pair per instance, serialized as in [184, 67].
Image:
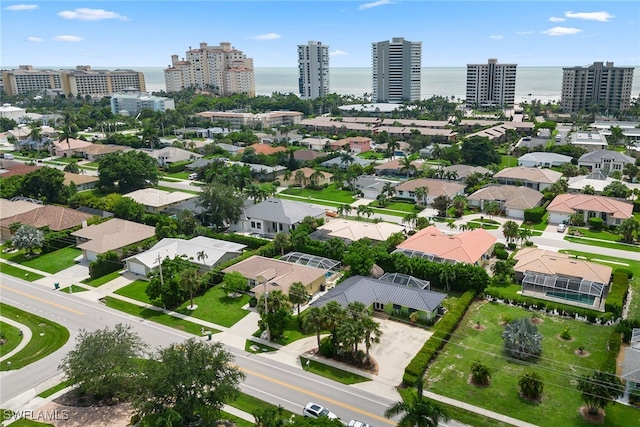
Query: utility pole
[159, 260]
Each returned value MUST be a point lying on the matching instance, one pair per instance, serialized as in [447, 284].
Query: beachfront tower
[601, 85]
[396, 68]
[491, 84]
[313, 70]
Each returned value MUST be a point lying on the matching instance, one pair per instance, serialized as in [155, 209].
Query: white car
[562, 228]
[356, 423]
[314, 410]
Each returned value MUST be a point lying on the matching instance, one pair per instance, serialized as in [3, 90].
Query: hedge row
[613, 347]
[250, 241]
[534, 215]
[539, 304]
[442, 330]
[618, 294]
[177, 166]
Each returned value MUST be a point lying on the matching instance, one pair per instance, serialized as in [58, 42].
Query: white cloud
[496, 37]
[557, 19]
[35, 39]
[85, 14]
[524, 33]
[268, 36]
[338, 53]
[561, 31]
[67, 38]
[18, 7]
[374, 4]
[590, 16]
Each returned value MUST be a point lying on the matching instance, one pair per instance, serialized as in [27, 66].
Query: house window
[259, 226]
[253, 224]
[378, 306]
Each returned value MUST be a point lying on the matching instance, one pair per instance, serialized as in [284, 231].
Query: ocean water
[541, 83]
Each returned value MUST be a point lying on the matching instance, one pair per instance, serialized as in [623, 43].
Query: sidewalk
[26, 337]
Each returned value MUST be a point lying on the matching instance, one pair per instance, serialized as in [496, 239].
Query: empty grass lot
[559, 366]
[47, 337]
[155, 316]
[51, 262]
[331, 193]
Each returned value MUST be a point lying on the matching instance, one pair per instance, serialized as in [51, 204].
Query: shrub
[441, 332]
[253, 302]
[618, 293]
[534, 215]
[595, 223]
[512, 245]
[565, 335]
[500, 253]
[528, 243]
[531, 385]
[613, 348]
[106, 263]
[177, 166]
[480, 373]
[628, 272]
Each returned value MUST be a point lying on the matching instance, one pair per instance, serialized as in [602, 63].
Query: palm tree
[35, 134]
[202, 256]
[491, 208]
[315, 177]
[407, 166]
[417, 411]
[344, 209]
[531, 385]
[451, 226]
[421, 194]
[332, 316]
[629, 228]
[298, 295]
[346, 159]
[480, 373]
[371, 331]
[588, 190]
[313, 321]
[523, 234]
[191, 282]
[282, 242]
[388, 189]
[68, 130]
[447, 275]
[510, 230]
[300, 178]
[391, 148]
[364, 210]
[410, 219]
[287, 175]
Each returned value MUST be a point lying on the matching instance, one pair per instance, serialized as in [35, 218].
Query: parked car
[193, 176]
[356, 423]
[313, 410]
[562, 228]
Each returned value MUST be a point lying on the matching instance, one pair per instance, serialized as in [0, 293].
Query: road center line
[80, 313]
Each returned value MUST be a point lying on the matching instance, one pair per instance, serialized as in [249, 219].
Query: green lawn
[155, 316]
[216, 307]
[542, 225]
[559, 366]
[603, 244]
[261, 347]
[136, 290]
[73, 289]
[477, 224]
[101, 280]
[335, 374]
[613, 262]
[12, 335]
[51, 262]
[46, 337]
[372, 155]
[177, 175]
[250, 404]
[397, 206]
[19, 272]
[602, 235]
[56, 388]
[388, 212]
[331, 193]
[22, 422]
[507, 161]
[291, 334]
[313, 201]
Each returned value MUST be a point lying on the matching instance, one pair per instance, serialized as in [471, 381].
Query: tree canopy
[479, 151]
[127, 171]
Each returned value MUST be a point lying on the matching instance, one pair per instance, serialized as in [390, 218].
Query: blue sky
[453, 33]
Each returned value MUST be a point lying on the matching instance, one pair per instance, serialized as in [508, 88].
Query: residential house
[438, 135]
[357, 144]
[402, 149]
[434, 188]
[72, 148]
[541, 159]
[168, 155]
[612, 211]
[265, 149]
[10, 168]
[536, 178]
[471, 247]
[512, 200]
[82, 182]
[395, 168]
[203, 252]
[156, 201]
[263, 173]
[499, 131]
[404, 296]
[340, 163]
[326, 178]
[95, 152]
[590, 141]
[631, 364]
[55, 218]
[372, 186]
[111, 235]
[605, 161]
[315, 143]
[277, 275]
[461, 172]
[203, 163]
[427, 152]
[349, 231]
[13, 207]
[559, 277]
[275, 215]
[596, 180]
[307, 155]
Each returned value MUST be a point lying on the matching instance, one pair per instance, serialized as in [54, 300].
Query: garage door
[134, 267]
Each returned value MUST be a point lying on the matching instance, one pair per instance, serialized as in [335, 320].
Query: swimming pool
[581, 298]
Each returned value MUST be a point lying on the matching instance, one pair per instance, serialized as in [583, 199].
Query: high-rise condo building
[396, 70]
[491, 84]
[313, 70]
[82, 80]
[599, 84]
[222, 69]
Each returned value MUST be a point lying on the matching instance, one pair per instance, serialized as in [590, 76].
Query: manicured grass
[388, 212]
[136, 290]
[251, 404]
[397, 206]
[29, 276]
[542, 225]
[101, 280]
[478, 224]
[602, 244]
[73, 289]
[335, 374]
[56, 388]
[12, 335]
[615, 263]
[602, 235]
[558, 366]
[291, 334]
[313, 201]
[51, 262]
[331, 193]
[508, 161]
[47, 337]
[155, 316]
[238, 422]
[262, 348]
[22, 422]
[372, 155]
[216, 307]
[178, 175]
